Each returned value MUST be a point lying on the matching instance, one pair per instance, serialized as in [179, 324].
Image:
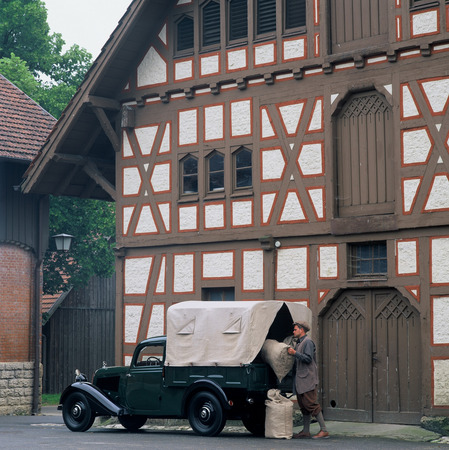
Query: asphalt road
[49, 432]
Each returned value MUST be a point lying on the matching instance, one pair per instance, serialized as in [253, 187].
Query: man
[305, 382]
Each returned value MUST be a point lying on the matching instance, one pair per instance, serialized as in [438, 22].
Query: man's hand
[291, 351]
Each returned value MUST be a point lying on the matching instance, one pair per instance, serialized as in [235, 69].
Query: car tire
[206, 415]
[132, 423]
[77, 413]
[254, 421]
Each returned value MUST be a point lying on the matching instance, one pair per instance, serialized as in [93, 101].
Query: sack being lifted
[279, 416]
[275, 354]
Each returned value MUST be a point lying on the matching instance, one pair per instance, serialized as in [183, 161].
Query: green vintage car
[207, 369]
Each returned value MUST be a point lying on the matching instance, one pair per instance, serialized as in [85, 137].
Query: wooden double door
[370, 353]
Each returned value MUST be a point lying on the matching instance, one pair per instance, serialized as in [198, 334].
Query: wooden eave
[78, 158]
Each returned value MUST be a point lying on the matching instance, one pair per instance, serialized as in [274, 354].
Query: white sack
[276, 355]
[279, 416]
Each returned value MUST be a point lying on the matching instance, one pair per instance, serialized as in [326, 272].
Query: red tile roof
[24, 125]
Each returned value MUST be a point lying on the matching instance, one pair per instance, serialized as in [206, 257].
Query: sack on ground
[276, 355]
[279, 416]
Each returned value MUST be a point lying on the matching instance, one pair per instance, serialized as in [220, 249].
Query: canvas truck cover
[227, 333]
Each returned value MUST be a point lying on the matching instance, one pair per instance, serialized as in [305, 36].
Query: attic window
[211, 23]
[295, 14]
[238, 19]
[184, 35]
[266, 16]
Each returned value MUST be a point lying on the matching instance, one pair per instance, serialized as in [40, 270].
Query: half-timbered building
[279, 149]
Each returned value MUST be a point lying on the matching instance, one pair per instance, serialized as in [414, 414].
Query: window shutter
[266, 16]
[211, 23]
[295, 13]
[238, 19]
[185, 34]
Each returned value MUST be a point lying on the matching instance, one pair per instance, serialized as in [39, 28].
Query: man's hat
[303, 324]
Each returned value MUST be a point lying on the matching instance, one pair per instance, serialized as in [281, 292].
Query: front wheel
[206, 415]
[132, 423]
[77, 413]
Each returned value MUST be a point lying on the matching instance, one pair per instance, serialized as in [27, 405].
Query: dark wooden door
[370, 358]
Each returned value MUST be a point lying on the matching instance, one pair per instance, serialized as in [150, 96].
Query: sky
[88, 23]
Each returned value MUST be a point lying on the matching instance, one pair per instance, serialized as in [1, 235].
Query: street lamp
[63, 241]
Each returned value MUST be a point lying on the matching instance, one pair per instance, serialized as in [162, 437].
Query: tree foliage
[92, 223]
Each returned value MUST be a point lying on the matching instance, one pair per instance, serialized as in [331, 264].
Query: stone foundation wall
[16, 388]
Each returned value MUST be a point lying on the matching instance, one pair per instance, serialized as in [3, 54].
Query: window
[189, 170]
[266, 16]
[219, 294]
[243, 168]
[215, 166]
[368, 259]
[295, 14]
[211, 23]
[184, 35]
[238, 19]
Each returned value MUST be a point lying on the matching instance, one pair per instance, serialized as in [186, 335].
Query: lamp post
[63, 241]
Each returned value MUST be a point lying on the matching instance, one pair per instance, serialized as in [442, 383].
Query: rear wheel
[77, 413]
[206, 415]
[132, 423]
[254, 421]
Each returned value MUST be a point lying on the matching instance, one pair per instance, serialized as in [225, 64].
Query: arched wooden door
[370, 358]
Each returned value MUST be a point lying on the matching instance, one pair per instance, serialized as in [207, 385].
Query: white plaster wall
[213, 122]
[242, 213]
[266, 127]
[237, 59]
[294, 49]
[163, 34]
[128, 359]
[183, 70]
[131, 181]
[291, 114]
[410, 188]
[416, 145]
[317, 197]
[165, 146]
[264, 54]
[316, 122]
[407, 257]
[160, 286]
[218, 265]
[439, 195]
[328, 258]
[440, 320]
[292, 270]
[137, 272]
[164, 209]
[127, 214]
[210, 65]
[241, 123]
[214, 216]
[146, 136]
[310, 159]
[152, 70]
[253, 270]
[146, 223]
[133, 314]
[188, 127]
[440, 260]
[157, 320]
[273, 164]
[425, 23]
[409, 108]
[267, 206]
[437, 92]
[160, 179]
[183, 273]
[292, 209]
[188, 218]
[127, 149]
[441, 382]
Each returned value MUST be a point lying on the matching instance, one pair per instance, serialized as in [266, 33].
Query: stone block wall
[16, 388]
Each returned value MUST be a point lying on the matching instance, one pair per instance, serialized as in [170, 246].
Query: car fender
[98, 401]
[205, 385]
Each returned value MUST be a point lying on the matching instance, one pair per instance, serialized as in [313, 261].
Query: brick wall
[16, 311]
[16, 388]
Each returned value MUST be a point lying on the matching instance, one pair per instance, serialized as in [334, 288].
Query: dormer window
[211, 23]
[184, 34]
